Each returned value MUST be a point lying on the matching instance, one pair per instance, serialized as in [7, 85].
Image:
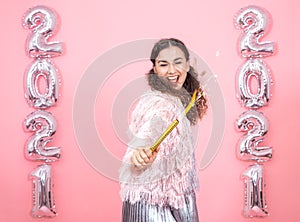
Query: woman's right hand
[142, 157]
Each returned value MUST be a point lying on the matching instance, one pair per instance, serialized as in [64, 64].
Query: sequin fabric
[172, 175]
[143, 212]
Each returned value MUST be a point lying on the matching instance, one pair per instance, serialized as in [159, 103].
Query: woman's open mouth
[173, 79]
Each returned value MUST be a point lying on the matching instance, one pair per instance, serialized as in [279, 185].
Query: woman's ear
[188, 66]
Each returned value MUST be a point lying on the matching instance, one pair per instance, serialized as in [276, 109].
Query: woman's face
[171, 64]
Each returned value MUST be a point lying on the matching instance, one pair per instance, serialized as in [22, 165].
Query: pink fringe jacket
[173, 173]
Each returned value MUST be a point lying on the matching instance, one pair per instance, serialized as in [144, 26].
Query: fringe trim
[168, 190]
[160, 197]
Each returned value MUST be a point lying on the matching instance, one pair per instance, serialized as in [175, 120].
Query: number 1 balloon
[43, 200]
[255, 201]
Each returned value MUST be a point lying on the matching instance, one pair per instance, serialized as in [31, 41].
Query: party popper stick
[173, 124]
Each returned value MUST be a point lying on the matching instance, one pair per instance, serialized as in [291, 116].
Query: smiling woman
[160, 185]
[171, 61]
[172, 65]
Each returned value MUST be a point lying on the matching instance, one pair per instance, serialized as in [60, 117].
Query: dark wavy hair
[191, 83]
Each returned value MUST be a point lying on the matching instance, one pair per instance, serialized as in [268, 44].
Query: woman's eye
[163, 64]
[178, 63]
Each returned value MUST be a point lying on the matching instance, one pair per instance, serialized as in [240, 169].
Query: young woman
[160, 186]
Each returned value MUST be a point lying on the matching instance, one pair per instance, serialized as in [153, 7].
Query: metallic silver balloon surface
[43, 200]
[44, 125]
[256, 125]
[46, 69]
[254, 68]
[43, 23]
[255, 200]
[255, 23]
[142, 212]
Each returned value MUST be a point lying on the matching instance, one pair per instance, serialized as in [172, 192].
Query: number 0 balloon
[41, 68]
[258, 70]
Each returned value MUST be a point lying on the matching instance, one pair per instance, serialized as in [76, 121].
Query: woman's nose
[172, 68]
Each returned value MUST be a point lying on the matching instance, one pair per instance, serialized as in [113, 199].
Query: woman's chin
[176, 86]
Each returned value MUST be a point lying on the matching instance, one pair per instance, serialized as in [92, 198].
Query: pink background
[90, 28]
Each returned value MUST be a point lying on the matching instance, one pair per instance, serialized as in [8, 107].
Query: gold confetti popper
[173, 124]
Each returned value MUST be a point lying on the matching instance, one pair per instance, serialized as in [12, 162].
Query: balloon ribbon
[173, 124]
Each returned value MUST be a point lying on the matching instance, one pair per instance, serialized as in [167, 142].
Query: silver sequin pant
[142, 212]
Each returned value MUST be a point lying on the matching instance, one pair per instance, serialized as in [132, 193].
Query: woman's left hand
[142, 157]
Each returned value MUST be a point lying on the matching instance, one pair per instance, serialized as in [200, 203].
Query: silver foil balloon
[255, 200]
[43, 200]
[43, 22]
[44, 125]
[254, 21]
[254, 68]
[41, 68]
[256, 125]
